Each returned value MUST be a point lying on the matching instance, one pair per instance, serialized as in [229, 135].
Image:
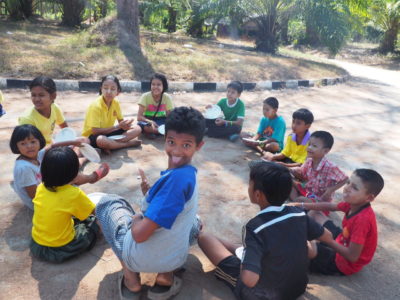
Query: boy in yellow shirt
[2, 111]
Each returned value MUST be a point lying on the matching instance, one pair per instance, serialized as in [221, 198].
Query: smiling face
[355, 192]
[180, 148]
[41, 98]
[156, 87]
[29, 147]
[109, 90]
[269, 112]
[316, 148]
[232, 95]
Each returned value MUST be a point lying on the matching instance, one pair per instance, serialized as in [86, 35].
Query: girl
[101, 116]
[29, 143]
[55, 238]
[154, 106]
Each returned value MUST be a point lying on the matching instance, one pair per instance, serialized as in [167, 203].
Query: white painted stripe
[271, 208]
[258, 229]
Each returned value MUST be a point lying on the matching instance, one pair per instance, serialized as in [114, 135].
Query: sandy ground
[363, 116]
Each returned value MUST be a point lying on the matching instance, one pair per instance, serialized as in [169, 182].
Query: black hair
[21, 132]
[236, 85]
[272, 101]
[112, 78]
[45, 82]
[372, 180]
[186, 120]
[163, 79]
[325, 137]
[59, 166]
[303, 114]
[273, 180]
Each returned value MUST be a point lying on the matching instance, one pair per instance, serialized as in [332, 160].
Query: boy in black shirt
[274, 260]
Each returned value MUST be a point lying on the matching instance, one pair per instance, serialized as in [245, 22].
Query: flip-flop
[159, 292]
[102, 171]
[124, 292]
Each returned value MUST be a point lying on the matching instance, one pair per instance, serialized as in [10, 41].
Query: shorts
[324, 262]
[84, 240]
[115, 217]
[159, 121]
[93, 137]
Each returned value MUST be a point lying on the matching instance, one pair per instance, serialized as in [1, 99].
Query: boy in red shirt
[356, 243]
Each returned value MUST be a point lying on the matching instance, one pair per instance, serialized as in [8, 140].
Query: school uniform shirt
[1, 97]
[98, 115]
[275, 248]
[326, 175]
[359, 228]
[45, 125]
[52, 223]
[232, 112]
[297, 153]
[150, 106]
[172, 204]
[272, 128]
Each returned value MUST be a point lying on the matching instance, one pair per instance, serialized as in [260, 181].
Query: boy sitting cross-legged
[158, 240]
[274, 263]
[356, 243]
[295, 151]
[322, 177]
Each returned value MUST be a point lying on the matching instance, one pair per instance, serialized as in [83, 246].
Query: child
[154, 106]
[275, 256]
[233, 109]
[158, 240]
[2, 111]
[29, 143]
[322, 177]
[271, 129]
[295, 151]
[54, 236]
[356, 243]
[101, 116]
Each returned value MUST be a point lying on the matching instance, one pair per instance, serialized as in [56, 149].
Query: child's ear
[308, 126]
[199, 145]
[260, 197]
[370, 197]
[53, 96]
[326, 151]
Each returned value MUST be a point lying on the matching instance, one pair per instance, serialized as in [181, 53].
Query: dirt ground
[363, 115]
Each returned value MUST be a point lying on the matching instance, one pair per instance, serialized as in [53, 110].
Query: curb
[144, 86]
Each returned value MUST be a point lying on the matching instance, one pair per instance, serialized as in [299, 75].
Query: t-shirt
[232, 112]
[99, 115]
[45, 125]
[295, 152]
[52, 221]
[275, 247]
[1, 97]
[150, 106]
[272, 128]
[359, 228]
[326, 175]
[27, 174]
[172, 204]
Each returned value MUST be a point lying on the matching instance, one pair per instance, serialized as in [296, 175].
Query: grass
[41, 47]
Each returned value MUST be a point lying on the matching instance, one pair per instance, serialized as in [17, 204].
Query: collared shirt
[326, 175]
[234, 111]
[98, 115]
[295, 152]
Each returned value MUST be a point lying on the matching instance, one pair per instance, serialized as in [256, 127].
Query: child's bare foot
[133, 284]
[165, 279]
[82, 161]
[106, 151]
[135, 143]
[101, 172]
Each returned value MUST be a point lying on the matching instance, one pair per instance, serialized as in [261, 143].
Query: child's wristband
[302, 205]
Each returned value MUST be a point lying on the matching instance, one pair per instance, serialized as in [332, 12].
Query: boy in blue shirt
[271, 130]
[157, 241]
[274, 261]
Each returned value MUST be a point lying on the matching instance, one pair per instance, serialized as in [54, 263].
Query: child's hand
[144, 185]
[219, 122]
[208, 106]
[125, 124]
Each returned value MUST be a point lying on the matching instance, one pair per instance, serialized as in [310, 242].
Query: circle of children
[280, 245]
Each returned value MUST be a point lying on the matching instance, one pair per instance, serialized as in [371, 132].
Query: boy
[295, 151]
[2, 111]
[356, 243]
[275, 257]
[158, 240]
[322, 177]
[271, 130]
[233, 109]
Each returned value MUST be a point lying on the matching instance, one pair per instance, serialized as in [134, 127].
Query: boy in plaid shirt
[322, 177]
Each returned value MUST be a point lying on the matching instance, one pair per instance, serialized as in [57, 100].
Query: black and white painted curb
[144, 86]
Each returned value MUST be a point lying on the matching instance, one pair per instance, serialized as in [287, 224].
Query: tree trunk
[128, 22]
[284, 28]
[73, 12]
[103, 8]
[266, 38]
[172, 15]
[388, 43]
[312, 37]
